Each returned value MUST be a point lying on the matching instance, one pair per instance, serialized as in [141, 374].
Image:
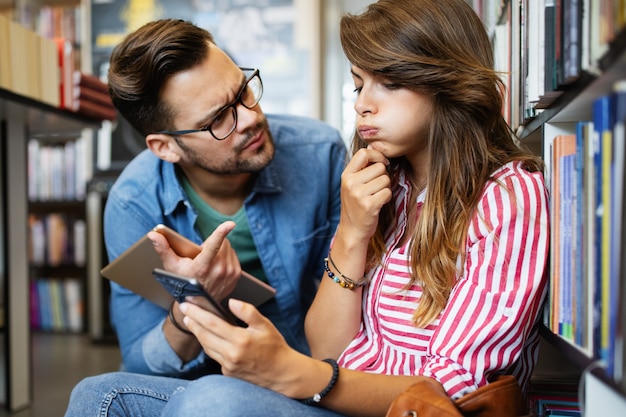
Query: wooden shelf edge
[586, 81]
[34, 104]
[577, 357]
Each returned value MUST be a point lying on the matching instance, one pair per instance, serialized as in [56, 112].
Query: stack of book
[91, 97]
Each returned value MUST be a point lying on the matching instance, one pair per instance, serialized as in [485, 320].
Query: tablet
[133, 270]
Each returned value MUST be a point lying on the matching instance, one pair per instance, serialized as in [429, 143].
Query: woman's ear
[163, 146]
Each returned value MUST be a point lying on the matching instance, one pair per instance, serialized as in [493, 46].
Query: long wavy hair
[142, 63]
[439, 47]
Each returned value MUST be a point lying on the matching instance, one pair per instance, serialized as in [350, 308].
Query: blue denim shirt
[292, 211]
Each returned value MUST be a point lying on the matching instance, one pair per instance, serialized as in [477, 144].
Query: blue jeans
[128, 394]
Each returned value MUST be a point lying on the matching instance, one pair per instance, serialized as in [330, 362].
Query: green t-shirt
[240, 237]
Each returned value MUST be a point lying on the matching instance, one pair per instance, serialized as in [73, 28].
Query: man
[213, 157]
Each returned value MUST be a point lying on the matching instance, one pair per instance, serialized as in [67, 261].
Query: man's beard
[234, 165]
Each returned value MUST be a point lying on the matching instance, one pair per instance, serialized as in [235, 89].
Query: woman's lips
[367, 131]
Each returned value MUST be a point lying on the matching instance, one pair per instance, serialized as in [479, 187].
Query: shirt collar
[267, 182]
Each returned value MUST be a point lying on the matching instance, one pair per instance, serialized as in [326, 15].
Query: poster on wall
[255, 33]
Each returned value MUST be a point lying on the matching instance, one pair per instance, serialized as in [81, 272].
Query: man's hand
[217, 266]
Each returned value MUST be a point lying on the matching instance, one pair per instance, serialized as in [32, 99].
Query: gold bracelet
[340, 278]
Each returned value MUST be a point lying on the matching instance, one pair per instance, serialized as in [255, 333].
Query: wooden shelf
[44, 119]
[576, 101]
[20, 119]
[71, 206]
[579, 358]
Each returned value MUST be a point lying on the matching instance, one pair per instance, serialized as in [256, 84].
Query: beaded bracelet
[175, 323]
[315, 399]
[342, 280]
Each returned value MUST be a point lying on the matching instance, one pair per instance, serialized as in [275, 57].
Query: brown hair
[143, 62]
[439, 47]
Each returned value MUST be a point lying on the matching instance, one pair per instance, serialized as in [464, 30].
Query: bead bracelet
[315, 399]
[340, 278]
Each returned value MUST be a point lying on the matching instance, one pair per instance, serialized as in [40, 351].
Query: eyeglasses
[225, 121]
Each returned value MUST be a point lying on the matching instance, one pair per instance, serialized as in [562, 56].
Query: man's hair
[144, 61]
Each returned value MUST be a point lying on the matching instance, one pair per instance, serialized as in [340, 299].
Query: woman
[437, 268]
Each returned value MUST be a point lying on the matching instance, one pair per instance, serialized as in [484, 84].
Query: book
[583, 207]
[589, 227]
[45, 307]
[600, 28]
[49, 72]
[66, 63]
[535, 62]
[57, 304]
[562, 145]
[568, 221]
[94, 110]
[82, 79]
[5, 54]
[558, 41]
[607, 231]
[550, 82]
[91, 97]
[572, 29]
[615, 363]
[34, 304]
[33, 65]
[74, 305]
[91, 94]
[602, 152]
[18, 59]
[549, 395]
[56, 239]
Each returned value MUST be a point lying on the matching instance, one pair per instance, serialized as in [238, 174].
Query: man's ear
[163, 146]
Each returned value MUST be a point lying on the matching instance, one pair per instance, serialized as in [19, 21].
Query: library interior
[63, 145]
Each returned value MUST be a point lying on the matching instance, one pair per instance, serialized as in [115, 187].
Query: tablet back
[133, 270]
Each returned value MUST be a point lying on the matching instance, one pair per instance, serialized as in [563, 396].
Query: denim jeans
[127, 394]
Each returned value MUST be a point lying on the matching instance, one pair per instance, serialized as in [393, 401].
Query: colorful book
[615, 365]
[602, 138]
[562, 145]
[581, 250]
[608, 185]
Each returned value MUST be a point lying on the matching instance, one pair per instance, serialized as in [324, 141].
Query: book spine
[88, 93]
[90, 81]
[94, 110]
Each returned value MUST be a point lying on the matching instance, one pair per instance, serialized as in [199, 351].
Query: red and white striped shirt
[489, 325]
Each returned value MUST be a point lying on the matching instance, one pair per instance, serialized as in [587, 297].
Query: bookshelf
[559, 58]
[57, 264]
[20, 118]
[34, 111]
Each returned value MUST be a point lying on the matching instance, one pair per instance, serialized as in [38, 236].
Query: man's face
[196, 96]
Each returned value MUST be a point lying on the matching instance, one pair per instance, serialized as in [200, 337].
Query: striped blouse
[489, 325]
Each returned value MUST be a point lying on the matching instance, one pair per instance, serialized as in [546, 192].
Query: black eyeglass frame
[232, 105]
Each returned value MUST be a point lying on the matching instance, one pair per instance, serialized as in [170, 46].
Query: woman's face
[392, 119]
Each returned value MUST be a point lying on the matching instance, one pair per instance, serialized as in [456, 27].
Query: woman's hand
[257, 353]
[365, 189]
[217, 266]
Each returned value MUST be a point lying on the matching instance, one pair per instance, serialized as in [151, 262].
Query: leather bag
[427, 398]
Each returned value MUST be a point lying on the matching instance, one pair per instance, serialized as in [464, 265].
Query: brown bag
[427, 398]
